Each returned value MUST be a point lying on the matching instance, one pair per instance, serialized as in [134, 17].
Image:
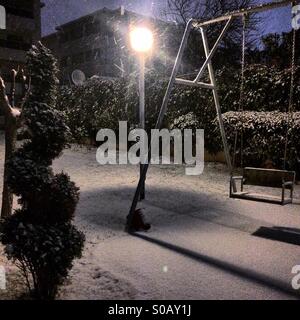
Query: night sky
[57, 12]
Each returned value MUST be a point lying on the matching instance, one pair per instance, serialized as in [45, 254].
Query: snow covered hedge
[264, 137]
[266, 89]
[96, 104]
[102, 103]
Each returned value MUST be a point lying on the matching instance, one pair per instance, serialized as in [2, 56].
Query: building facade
[98, 44]
[23, 28]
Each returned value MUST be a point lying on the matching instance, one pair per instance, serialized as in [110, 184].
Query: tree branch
[4, 101]
[26, 89]
[13, 86]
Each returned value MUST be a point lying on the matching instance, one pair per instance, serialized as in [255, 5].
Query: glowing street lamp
[141, 40]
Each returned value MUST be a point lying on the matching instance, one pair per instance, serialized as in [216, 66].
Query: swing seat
[268, 178]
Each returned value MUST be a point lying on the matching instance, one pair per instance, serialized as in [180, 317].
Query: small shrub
[43, 252]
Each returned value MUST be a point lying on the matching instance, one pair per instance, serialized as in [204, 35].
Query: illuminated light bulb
[141, 39]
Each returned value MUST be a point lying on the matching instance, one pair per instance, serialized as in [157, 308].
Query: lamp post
[141, 40]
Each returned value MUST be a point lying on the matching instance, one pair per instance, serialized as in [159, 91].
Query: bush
[44, 252]
[264, 136]
[39, 237]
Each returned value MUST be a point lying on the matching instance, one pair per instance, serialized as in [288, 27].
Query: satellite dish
[78, 77]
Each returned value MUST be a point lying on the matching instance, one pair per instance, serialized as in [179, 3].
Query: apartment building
[98, 44]
[23, 27]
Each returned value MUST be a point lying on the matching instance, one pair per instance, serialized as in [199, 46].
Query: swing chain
[243, 64]
[291, 98]
[242, 87]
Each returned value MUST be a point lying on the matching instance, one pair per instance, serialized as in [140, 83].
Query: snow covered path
[201, 245]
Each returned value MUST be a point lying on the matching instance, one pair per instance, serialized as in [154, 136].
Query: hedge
[264, 136]
[102, 103]
[96, 104]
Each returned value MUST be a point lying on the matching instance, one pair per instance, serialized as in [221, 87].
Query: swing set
[268, 178]
[272, 178]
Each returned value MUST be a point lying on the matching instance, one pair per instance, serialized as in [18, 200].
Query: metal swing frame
[200, 25]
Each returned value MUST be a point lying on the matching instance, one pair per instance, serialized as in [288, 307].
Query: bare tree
[13, 116]
[181, 11]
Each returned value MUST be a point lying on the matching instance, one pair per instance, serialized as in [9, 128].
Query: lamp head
[141, 39]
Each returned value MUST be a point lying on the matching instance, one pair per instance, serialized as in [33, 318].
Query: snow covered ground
[201, 245]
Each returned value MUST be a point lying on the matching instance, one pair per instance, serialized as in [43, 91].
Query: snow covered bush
[40, 237]
[264, 136]
[102, 103]
[266, 89]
